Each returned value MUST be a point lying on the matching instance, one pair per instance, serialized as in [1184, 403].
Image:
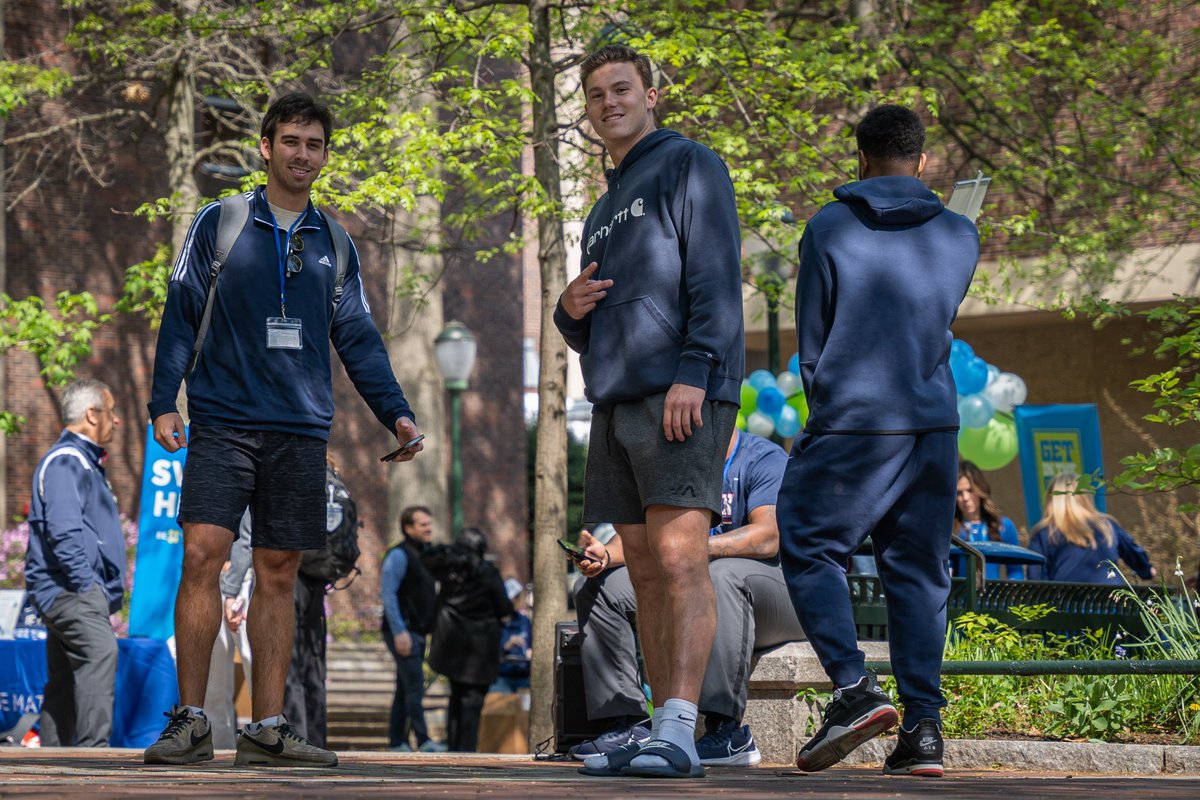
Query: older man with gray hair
[75, 569]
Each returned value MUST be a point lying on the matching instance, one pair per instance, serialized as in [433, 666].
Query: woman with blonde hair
[1080, 543]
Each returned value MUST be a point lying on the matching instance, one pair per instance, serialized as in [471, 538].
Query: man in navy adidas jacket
[75, 570]
[883, 269]
[656, 317]
[261, 406]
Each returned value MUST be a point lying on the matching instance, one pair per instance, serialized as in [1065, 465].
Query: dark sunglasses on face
[295, 248]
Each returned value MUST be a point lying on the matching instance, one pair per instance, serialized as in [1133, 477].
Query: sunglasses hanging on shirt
[295, 248]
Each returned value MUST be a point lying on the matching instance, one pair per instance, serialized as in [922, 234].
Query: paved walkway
[95, 774]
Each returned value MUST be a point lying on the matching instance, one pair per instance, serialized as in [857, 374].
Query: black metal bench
[1077, 606]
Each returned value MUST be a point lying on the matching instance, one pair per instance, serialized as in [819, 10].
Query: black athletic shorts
[279, 476]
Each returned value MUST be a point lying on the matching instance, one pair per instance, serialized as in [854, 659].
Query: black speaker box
[571, 724]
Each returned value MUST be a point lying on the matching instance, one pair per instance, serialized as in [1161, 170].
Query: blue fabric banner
[160, 543]
[1053, 439]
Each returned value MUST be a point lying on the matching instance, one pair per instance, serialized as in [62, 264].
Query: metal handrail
[1064, 667]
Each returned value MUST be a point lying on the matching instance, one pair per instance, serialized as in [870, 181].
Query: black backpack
[336, 560]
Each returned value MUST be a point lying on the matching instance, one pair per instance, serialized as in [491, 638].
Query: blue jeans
[407, 709]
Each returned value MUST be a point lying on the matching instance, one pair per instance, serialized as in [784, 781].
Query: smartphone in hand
[576, 552]
[402, 449]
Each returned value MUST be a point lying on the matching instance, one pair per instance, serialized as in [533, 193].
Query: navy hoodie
[239, 382]
[882, 273]
[666, 233]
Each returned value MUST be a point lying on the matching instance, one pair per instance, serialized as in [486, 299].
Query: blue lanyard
[281, 255]
[729, 461]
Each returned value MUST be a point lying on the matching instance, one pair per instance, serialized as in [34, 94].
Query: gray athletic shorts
[631, 465]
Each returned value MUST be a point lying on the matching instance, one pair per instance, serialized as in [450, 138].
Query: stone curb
[1061, 757]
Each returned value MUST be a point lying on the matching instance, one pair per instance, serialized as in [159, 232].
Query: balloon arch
[775, 404]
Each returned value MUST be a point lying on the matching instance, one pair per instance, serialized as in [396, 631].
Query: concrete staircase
[360, 681]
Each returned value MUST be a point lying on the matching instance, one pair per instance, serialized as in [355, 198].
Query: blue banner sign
[1053, 439]
[160, 543]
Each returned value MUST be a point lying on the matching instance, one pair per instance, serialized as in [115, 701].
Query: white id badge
[333, 516]
[283, 333]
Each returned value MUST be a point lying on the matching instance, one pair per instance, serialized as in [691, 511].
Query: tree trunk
[412, 325]
[550, 482]
[180, 142]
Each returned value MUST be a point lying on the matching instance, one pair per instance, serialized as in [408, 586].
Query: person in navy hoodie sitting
[1081, 544]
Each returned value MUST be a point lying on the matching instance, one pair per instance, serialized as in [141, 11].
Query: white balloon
[760, 424]
[993, 373]
[999, 391]
[788, 383]
[1019, 391]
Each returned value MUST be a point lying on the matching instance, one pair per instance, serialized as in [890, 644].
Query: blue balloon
[770, 401]
[794, 364]
[788, 423]
[961, 349]
[761, 378]
[974, 411]
[970, 376]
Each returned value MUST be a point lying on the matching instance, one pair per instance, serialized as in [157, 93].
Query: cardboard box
[504, 724]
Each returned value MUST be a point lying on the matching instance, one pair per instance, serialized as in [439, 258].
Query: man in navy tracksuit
[656, 317]
[882, 272]
[75, 570]
[261, 405]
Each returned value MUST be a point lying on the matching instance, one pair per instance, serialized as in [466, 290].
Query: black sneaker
[918, 752]
[856, 715]
[610, 740]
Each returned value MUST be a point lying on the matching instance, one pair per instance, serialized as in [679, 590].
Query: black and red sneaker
[857, 714]
[918, 752]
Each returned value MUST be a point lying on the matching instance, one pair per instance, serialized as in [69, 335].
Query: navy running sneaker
[856, 715]
[610, 740]
[725, 744]
[918, 752]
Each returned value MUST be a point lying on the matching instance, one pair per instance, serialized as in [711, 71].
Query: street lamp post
[455, 351]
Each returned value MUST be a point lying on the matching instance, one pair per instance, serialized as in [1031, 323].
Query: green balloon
[741, 421]
[992, 446]
[749, 398]
[799, 402]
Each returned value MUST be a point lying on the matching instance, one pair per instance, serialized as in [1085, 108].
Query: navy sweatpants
[899, 490]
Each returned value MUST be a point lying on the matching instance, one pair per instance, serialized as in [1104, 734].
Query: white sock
[655, 723]
[678, 726]
[269, 722]
[199, 712]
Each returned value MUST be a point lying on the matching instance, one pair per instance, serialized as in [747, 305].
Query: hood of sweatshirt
[891, 200]
[644, 146]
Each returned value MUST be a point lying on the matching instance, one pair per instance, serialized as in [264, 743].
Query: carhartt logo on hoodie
[636, 209]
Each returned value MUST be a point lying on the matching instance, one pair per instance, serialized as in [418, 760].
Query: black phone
[574, 551]
[399, 451]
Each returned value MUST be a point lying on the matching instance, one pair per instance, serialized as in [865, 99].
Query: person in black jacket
[466, 633]
[409, 601]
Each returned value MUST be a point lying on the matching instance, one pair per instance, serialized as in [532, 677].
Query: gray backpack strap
[341, 257]
[234, 214]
